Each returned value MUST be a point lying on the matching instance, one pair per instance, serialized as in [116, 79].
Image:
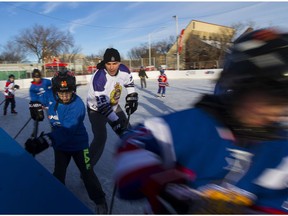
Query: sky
[97, 25]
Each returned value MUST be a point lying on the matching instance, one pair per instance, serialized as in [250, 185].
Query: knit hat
[111, 55]
[36, 73]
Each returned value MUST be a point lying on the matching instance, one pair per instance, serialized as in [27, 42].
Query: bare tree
[44, 42]
[163, 46]
[241, 27]
[196, 51]
[158, 48]
[70, 54]
[139, 52]
[12, 52]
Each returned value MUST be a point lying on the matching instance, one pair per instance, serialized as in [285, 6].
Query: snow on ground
[179, 95]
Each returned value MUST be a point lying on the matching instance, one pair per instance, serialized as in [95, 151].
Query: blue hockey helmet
[258, 59]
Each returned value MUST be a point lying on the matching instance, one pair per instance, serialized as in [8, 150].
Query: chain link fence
[24, 70]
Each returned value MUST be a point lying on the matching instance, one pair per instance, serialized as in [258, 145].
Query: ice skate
[101, 208]
[13, 112]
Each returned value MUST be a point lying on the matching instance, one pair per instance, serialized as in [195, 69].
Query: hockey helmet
[11, 76]
[64, 81]
[258, 59]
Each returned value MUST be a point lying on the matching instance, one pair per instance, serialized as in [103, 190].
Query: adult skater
[105, 89]
[226, 155]
[142, 74]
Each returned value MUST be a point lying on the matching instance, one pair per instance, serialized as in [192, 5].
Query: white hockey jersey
[106, 89]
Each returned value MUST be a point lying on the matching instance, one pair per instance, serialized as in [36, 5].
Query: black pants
[82, 160]
[7, 101]
[98, 124]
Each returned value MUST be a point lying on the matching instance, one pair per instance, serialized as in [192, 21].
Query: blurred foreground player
[228, 154]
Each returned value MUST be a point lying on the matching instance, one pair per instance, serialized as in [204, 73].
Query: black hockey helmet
[11, 76]
[36, 73]
[64, 81]
[258, 59]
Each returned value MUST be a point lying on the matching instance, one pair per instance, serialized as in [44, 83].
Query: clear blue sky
[96, 25]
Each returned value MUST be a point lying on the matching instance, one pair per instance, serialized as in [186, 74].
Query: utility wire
[71, 22]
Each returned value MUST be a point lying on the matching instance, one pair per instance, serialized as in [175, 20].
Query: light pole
[149, 42]
[177, 44]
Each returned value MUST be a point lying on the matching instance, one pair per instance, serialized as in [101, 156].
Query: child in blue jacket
[69, 138]
[40, 88]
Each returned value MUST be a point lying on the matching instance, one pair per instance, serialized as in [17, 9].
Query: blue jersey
[203, 145]
[41, 91]
[68, 130]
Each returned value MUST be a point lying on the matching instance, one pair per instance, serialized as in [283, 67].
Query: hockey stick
[22, 128]
[115, 186]
[2, 102]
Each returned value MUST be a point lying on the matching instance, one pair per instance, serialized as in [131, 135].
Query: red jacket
[9, 89]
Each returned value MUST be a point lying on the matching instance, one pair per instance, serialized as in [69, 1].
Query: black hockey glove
[37, 145]
[131, 103]
[36, 111]
[16, 86]
[119, 126]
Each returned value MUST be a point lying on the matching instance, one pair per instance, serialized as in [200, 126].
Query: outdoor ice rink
[180, 95]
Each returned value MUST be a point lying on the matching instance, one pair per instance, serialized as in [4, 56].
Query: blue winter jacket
[41, 91]
[68, 130]
[197, 141]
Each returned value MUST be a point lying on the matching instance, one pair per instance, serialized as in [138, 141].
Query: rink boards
[26, 187]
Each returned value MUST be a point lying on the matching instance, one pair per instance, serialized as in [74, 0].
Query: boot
[5, 112]
[13, 112]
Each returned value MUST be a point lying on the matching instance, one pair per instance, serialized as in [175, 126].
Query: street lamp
[177, 43]
[149, 42]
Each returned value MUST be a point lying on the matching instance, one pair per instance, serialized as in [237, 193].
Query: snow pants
[8, 101]
[82, 161]
[162, 90]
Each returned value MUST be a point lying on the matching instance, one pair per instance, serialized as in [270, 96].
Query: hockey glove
[131, 103]
[36, 111]
[119, 126]
[154, 189]
[37, 145]
[16, 86]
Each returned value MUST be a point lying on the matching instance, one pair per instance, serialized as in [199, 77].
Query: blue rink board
[26, 187]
